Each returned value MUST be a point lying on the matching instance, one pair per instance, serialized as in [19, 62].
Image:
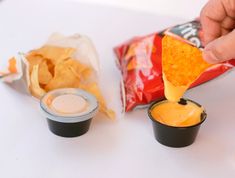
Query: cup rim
[203, 115]
[49, 114]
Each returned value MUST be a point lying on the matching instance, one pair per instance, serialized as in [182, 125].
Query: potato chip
[35, 88]
[182, 65]
[44, 75]
[12, 65]
[33, 60]
[64, 77]
[94, 89]
[85, 49]
[53, 53]
[80, 70]
[55, 69]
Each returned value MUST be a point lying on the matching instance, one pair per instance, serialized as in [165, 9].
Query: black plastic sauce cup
[70, 125]
[69, 129]
[175, 136]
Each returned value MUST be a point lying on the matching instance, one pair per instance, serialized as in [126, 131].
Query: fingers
[218, 21]
[228, 23]
[211, 17]
[221, 49]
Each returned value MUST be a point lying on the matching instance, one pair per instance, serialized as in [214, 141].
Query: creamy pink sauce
[69, 104]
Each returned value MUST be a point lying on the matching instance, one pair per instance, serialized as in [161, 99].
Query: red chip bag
[140, 62]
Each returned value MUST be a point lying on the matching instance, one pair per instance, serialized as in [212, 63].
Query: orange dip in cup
[177, 114]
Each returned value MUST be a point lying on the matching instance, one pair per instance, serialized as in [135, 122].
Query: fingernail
[210, 57]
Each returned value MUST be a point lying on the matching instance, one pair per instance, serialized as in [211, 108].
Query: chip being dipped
[139, 60]
[182, 64]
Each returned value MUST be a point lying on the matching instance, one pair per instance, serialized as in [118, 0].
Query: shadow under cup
[173, 136]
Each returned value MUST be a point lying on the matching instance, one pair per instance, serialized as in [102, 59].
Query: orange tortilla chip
[182, 63]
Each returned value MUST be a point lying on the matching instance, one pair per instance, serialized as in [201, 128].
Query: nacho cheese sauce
[175, 114]
[69, 104]
[173, 93]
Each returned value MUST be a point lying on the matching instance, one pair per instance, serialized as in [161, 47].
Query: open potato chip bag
[140, 62]
[63, 62]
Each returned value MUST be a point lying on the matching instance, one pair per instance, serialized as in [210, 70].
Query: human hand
[218, 24]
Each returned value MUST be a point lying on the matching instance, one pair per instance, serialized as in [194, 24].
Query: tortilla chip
[182, 63]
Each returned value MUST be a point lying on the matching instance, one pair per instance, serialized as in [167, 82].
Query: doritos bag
[140, 62]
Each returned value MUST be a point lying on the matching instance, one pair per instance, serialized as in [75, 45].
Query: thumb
[221, 49]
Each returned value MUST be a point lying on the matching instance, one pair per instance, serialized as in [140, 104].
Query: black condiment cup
[69, 125]
[173, 136]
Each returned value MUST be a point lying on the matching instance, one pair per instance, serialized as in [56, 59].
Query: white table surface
[111, 149]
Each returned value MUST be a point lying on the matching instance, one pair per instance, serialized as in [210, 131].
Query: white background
[111, 149]
[179, 8]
